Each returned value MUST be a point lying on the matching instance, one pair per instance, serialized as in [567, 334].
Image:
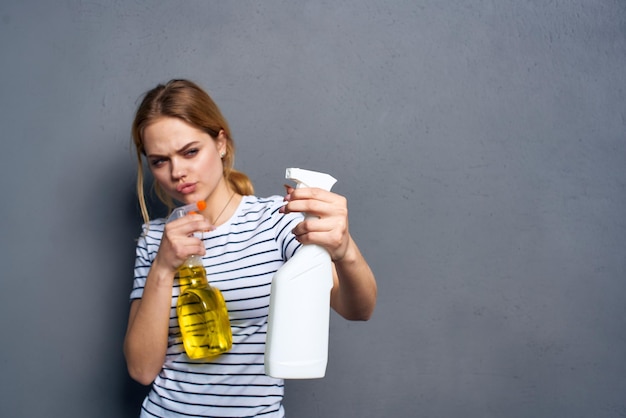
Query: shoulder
[151, 233]
[260, 207]
[270, 200]
[263, 211]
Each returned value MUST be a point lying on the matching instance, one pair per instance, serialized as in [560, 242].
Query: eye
[191, 152]
[157, 162]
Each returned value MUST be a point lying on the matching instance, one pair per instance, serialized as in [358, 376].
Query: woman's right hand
[179, 242]
[145, 344]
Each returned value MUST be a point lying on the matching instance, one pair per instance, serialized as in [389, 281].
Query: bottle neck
[192, 273]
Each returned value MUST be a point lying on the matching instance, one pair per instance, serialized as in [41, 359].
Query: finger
[189, 245]
[190, 224]
[335, 227]
[312, 193]
[313, 224]
[327, 239]
[196, 247]
[309, 206]
[288, 188]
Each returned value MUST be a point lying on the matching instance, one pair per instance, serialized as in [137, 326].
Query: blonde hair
[185, 100]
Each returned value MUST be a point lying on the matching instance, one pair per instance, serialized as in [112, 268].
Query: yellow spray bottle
[201, 310]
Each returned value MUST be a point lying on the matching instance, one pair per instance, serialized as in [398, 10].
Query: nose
[178, 170]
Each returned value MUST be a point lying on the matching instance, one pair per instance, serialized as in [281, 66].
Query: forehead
[167, 134]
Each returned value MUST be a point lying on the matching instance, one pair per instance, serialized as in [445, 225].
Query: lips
[186, 188]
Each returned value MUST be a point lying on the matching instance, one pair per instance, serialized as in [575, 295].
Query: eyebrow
[179, 151]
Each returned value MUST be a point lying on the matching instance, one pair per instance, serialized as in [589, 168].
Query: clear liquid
[202, 315]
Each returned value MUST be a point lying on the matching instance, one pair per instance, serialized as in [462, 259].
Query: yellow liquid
[202, 315]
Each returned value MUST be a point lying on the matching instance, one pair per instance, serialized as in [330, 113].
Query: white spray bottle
[296, 345]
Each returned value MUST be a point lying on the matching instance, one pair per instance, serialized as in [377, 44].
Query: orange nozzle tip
[201, 205]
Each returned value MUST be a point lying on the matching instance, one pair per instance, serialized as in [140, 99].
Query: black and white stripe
[242, 256]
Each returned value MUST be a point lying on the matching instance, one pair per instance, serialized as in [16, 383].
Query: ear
[221, 141]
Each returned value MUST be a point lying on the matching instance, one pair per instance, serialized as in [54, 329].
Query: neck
[220, 207]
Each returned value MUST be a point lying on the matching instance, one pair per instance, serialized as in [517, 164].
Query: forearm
[355, 291]
[145, 345]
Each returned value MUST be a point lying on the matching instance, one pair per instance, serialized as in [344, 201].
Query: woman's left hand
[328, 225]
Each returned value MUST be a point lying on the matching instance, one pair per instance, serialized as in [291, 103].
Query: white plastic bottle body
[296, 345]
[297, 335]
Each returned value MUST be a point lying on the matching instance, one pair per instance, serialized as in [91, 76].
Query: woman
[186, 142]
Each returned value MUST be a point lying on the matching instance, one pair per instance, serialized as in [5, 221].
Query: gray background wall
[481, 145]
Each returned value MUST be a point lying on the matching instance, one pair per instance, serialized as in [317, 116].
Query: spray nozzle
[181, 211]
[308, 178]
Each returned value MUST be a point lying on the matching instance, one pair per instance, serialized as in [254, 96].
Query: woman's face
[184, 160]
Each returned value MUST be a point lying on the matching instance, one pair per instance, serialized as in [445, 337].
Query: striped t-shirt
[241, 258]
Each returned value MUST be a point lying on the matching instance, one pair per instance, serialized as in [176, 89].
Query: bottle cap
[181, 211]
[308, 178]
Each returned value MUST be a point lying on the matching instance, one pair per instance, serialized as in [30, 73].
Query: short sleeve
[147, 246]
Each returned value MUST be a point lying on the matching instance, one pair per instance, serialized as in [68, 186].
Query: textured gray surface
[481, 145]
